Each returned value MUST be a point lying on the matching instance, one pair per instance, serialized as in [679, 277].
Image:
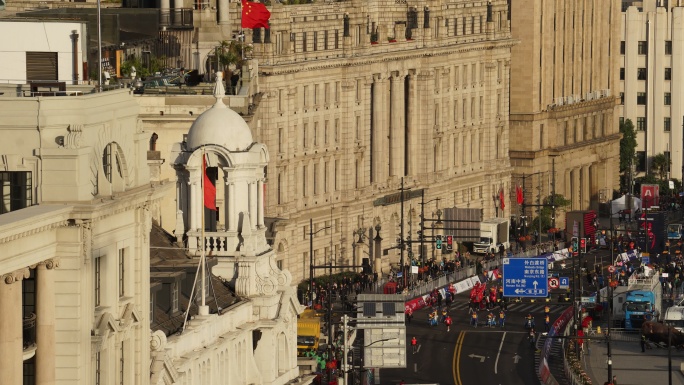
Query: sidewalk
[631, 366]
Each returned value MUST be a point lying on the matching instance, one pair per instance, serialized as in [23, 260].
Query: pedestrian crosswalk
[518, 307]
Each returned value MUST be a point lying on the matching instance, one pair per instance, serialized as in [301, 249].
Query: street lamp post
[311, 259]
[422, 224]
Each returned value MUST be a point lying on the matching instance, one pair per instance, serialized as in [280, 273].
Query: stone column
[11, 330]
[251, 188]
[380, 112]
[45, 322]
[223, 17]
[397, 125]
[260, 203]
[231, 218]
[586, 198]
[576, 188]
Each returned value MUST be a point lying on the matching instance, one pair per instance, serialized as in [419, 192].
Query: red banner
[650, 195]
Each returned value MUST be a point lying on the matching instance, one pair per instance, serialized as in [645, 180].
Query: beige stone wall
[563, 99]
[445, 129]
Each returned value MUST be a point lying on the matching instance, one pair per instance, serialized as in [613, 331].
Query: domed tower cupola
[220, 198]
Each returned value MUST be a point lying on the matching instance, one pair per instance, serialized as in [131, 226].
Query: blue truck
[640, 306]
[639, 301]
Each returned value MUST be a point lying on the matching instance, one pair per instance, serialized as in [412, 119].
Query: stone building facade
[358, 96]
[564, 83]
[651, 65]
[74, 248]
[350, 98]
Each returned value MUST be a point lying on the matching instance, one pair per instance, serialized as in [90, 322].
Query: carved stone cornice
[16, 276]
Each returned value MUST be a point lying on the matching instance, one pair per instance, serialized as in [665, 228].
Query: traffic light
[575, 244]
[438, 242]
[583, 245]
[450, 242]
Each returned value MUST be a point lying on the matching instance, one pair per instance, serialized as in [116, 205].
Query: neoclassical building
[74, 239]
[564, 88]
[353, 97]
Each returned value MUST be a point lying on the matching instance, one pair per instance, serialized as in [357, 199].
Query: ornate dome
[220, 125]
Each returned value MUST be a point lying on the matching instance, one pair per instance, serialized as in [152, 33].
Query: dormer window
[174, 297]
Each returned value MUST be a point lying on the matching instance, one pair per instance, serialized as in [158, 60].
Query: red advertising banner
[650, 195]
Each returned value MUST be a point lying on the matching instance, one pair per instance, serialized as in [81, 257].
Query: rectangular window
[97, 281]
[337, 130]
[175, 294]
[315, 178]
[641, 123]
[641, 98]
[336, 165]
[668, 47]
[641, 161]
[326, 127]
[622, 48]
[303, 41]
[326, 170]
[642, 48]
[666, 124]
[16, 190]
[305, 135]
[305, 96]
[622, 73]
[280, 139]
[315, 134]
[668, 73]
[305, 171]
[122, 272]
[315, 41]
[668, 99]
[98, 369]
[641, 74]
[325, 40]
[122, 357]
[622, 98]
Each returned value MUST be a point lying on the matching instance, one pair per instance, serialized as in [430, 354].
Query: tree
[156, 65]
[231, 53]
[559, 202]
[628, 145]
[660, 165]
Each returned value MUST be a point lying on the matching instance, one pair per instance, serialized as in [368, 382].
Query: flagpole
[203, 309]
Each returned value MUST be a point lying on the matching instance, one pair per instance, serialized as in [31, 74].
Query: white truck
[674, 316]
[493, 233]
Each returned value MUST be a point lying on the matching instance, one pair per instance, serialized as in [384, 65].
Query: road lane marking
[457, 358]
[496, 363]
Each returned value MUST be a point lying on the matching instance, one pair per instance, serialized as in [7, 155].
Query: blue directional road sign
[564, 282]
[645, 260]
[525, 277]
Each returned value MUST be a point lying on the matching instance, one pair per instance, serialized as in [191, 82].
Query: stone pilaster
[11, 336]
[397, 125]
[45, 322]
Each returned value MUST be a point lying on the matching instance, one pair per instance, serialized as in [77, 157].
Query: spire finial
[219, 90]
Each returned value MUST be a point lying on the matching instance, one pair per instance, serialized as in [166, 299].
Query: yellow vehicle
[308, 331]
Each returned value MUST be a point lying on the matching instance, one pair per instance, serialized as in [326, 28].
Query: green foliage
[559, 202]
[660, 165]
[628, 145]
[231, 53]
[663, 184]
[156, 65]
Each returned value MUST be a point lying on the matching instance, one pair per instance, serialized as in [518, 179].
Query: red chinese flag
[501, 199]
[254, 15]
[209, 188]
[519, 195]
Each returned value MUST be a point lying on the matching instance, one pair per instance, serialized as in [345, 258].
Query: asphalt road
[468, 355]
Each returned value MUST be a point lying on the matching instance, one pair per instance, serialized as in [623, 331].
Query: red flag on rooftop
[209, 187]
[254, 15]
